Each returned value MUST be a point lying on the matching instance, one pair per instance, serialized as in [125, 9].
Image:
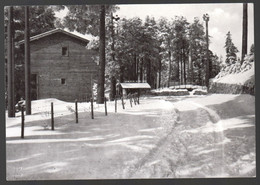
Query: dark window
[64, 51]
[63, 81]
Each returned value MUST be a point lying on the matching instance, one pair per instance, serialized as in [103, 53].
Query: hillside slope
[235, 78]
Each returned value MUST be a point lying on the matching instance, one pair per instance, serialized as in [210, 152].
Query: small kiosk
[133, 87]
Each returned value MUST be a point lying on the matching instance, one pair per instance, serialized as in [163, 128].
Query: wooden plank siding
[51, 66]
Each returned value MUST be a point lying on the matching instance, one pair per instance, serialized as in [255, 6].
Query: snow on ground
[179, 88]
[231, 122]
[41, 111]
[163, 137]
[170, 89]
[237, 78]
[105, 145]
[214, 137]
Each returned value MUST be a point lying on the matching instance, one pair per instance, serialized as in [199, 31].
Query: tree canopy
[159, 52]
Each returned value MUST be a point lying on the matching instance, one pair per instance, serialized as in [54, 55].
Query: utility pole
[27, 63]
[244, 35]
[206, 19]
[10, 54]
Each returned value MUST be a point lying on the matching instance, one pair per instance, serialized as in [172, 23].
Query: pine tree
[166, 37]
[197, 45]
[181, 46]
[231, 50]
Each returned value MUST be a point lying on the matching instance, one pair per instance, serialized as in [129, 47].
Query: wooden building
[61, 66]
[134, 87]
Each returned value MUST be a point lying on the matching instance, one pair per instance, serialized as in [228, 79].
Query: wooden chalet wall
[53, 68]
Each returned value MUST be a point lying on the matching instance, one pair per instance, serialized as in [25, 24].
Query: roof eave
[45, 34]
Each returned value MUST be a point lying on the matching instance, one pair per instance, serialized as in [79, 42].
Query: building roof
[58, 30]
[135, 85]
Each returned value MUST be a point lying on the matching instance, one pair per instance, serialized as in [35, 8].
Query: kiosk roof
[135, 85]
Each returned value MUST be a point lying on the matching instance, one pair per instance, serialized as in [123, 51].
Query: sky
[224, 17]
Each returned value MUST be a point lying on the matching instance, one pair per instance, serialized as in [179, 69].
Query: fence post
[22, 129]
[52, 116]
[76, 110]
[105, 101]
[92, 111]
[123, 102]
[116, 104]
[130, 99]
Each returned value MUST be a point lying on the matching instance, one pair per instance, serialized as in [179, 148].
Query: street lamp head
[206, 17]
[116, 18]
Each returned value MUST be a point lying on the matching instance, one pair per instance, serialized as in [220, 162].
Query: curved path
[186, 151]
[183, 137]
[213, 137]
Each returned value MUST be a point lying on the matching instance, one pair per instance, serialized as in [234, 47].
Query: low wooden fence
[132, 98]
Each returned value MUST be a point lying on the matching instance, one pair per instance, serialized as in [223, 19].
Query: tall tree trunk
[136, 69]
[199, 76]
[149, 80]
[178, 68]
[102, 59]
[10, 69]
[188, 66]
[160, 73]
[141, 71]
[27, 63]
[191, 66]
[181, 68]
[154, 77]
[184, 67]
[244, 36]
[121, 77]
[170, 69]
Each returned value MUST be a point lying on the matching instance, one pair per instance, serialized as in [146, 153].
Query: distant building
[61, 66]
[134, 87]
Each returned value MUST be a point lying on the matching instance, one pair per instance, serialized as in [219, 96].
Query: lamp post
[206, 19]
[113, 79]
[116, 18]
